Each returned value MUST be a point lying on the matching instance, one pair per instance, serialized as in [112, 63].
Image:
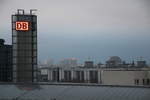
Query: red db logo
[22, 26]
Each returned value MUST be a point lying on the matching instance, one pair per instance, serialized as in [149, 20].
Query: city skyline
[74, 49]
[51, 62]
[82, 29]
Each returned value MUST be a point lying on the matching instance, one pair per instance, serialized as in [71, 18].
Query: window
[143, 81]
[136, 81]
[14, 60]
[14, 18]
[14, 67]
[34, 47]
[13, 25]
[34, 53]
[148, 82]
[14, 39]
[34, 33]
[14, 46]
[34, 40]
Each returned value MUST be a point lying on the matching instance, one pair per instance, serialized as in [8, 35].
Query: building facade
[24, 40]
[105, 76]
[5, 62]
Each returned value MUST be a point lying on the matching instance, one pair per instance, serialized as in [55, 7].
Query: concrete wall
[124, 77]
[107, 76]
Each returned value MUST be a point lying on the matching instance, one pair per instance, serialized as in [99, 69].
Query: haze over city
[85, 28]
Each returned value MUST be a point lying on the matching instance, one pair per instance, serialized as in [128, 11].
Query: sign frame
[22, 26]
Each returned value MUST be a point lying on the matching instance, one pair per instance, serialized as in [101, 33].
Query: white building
[106, 76]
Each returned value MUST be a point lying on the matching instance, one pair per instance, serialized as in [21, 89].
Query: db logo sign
[22, 26]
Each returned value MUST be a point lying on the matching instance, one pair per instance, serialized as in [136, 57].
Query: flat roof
[72, 92]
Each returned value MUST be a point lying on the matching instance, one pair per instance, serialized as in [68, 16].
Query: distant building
[5, 62]
[70, 62]
[88, 64]
[24, 40]
[48, 62]
[141, 63]
[100, 65]
[114, 72]
[105, 76]
[113, 61]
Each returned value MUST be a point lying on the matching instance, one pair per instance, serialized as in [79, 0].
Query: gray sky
[83, 28]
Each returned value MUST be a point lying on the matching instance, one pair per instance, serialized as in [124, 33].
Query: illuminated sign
[22, 26]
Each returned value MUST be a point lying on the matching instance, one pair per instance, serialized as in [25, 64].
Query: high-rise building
[24, 40]
[5, 62]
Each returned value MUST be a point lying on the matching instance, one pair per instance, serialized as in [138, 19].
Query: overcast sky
[85, 28]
